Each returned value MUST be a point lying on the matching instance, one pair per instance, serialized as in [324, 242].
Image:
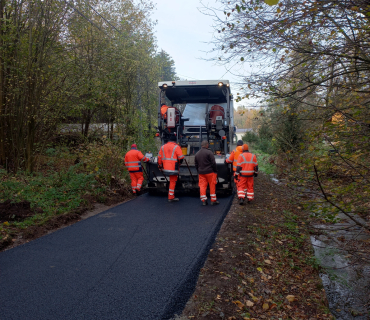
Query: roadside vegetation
[311, 76]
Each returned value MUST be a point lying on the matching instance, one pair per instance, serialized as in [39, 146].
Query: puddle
[347, 285]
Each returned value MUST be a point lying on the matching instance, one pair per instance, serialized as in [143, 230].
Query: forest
[72, 64]
[311, 63]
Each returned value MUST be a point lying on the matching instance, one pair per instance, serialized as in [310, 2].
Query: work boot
[241, 201]
[173, 200]
[213, 203]
[138, 192]
[250, 200]
[204, 203]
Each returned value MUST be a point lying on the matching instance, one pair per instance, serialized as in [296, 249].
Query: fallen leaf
[249, 303]
[290, 298]
[259, 269]
[268, 261]
[239, 304]
[265, 306]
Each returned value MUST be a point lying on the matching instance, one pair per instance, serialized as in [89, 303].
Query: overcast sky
[184, 33]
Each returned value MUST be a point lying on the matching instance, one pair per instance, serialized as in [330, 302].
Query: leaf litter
[269, 263]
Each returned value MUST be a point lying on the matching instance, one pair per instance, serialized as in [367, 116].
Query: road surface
[138, 260]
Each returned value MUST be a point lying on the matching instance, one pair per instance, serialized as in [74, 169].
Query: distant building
[241, 132]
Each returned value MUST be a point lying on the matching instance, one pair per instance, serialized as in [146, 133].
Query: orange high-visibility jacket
[168, 157]
[247, 164]
[132, 160]
[164, 111]
[233, 158]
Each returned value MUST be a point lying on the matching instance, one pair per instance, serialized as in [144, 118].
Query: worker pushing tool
[233, 158]
[247, 168]
[133, 160]
[205, 164]
[169, 157]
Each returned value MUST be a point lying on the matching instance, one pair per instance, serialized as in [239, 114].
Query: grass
[55, 193]
[263, 161]
[50, 194]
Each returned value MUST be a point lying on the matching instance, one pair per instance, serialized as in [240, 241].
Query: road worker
[233, 158]
[133, 160]
[164, 110]
[205, 163]
[169, 157]
[247, 168]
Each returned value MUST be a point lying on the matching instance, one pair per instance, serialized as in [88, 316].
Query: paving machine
[197, 110]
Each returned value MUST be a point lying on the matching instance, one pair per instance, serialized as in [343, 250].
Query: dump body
[197, 111]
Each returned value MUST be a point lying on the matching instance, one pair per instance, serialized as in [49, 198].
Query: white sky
[184, 33]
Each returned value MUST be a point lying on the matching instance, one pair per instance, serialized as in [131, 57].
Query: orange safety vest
[164, 111]
[132, 160]
[168, 157]
[247, 164]
[233, 158]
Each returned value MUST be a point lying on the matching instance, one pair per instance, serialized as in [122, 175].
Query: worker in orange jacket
[233, 158]
[247, 168]
[133, 160]
[169, 157]
[164, 110]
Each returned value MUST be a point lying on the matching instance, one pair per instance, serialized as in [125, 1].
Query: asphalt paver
[138, 260]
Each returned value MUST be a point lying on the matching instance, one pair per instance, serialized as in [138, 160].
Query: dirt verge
[261, 265]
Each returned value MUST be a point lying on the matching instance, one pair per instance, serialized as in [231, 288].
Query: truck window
[196, 112]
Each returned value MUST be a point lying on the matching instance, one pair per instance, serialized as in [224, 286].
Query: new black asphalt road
[138, 260]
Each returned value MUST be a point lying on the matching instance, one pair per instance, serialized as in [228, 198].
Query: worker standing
[233, 158]
[247, 168]
[205, 163]
[133, 160]
[169, 157]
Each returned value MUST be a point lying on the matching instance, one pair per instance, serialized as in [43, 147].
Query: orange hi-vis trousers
[171, 188]
[204, 180]
[245, 186]
[137, 179]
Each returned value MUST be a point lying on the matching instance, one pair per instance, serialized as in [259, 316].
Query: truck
[197, 110]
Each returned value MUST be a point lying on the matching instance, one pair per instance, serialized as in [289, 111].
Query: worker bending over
[247, 168]
[169, 157]
[133, 160]
[205, 163]
[233, 158]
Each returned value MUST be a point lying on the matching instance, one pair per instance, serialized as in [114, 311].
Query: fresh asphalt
[138, 260]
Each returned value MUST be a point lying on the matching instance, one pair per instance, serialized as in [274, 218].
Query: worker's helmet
[239, 143]
[245, 147]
